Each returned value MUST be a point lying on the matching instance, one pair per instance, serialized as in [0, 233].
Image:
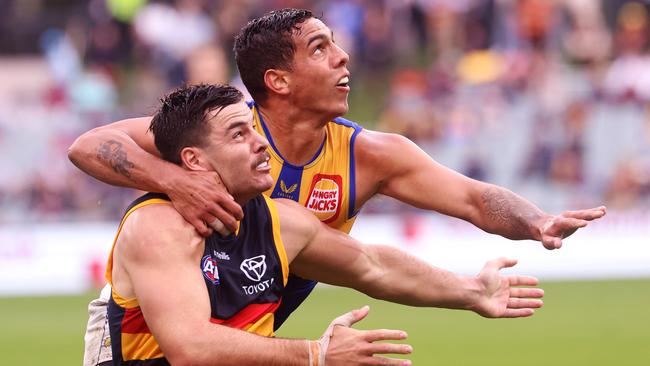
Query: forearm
[405, 279]
[113, 157]
[500, 211]
[220, 345]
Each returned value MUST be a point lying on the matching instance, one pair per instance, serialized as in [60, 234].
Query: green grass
[582, 323]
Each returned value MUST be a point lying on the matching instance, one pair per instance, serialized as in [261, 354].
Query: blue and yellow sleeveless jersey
[326, 184]
[244, 273]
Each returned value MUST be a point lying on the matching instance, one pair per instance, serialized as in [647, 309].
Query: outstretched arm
[321, 253]
[393, 165]
[124, 154]
[157, 258]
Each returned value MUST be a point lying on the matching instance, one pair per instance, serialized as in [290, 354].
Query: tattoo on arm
[512, 215]
[111, 152]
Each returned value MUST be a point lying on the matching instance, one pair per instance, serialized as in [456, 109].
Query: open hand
[559, 227]
[500, 298]
[342, 345]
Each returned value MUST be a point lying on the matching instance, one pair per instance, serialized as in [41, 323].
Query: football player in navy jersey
[160, 267]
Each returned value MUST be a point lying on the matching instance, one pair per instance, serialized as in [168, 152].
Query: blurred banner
[70, 258]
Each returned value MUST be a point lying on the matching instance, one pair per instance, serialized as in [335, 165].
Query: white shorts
[97, 341]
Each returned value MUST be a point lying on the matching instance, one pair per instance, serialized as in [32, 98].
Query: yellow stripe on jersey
[109, 265]
[262, 327]
[140, 346]
[277, 239]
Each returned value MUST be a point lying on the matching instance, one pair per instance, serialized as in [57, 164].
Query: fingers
[588, 214]
[384, 335]
[570, 223]
[390, 348]
[228, 205]
[219, 227]
[380, 360]
[516, 303]
[351, 317]
[201, 227]
[520, 280]
[214, 211]
[552, 242]
[517, 313]
[524, 292]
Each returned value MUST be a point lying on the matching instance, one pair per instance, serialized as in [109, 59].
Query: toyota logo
[254, 268]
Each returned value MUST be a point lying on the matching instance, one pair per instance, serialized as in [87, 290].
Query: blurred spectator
[628, 77]
[537, 95]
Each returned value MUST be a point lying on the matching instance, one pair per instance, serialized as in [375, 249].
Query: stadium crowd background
[548, 98]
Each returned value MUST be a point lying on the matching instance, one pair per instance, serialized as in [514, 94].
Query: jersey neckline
[275, 149]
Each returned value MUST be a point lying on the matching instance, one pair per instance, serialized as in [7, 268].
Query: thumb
[500, 263]
[351, 317]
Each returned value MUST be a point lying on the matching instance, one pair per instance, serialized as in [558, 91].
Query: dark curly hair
[180, 121]
[266, 43]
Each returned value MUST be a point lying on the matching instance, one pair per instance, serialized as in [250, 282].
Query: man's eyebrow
[235, 125]
[319, 37]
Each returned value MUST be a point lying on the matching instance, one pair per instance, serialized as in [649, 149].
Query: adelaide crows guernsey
[244, 273]
[325, 186]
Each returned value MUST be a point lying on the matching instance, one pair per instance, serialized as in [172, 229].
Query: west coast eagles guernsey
[244, 273]
[325, 186]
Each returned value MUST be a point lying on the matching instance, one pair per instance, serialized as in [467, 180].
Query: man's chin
[265, 185]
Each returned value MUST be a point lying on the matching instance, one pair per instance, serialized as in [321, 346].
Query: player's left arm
[393, 165]
[318, 252]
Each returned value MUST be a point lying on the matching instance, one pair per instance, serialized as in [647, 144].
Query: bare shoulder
[158, 229]
[375, 144]
[379, 157]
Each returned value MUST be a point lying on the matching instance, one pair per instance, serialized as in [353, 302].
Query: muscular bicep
[317, 252]
[404, 171]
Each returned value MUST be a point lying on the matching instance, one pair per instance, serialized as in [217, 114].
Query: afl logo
[210, 270]
[325, 197]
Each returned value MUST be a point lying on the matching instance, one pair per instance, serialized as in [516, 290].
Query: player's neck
[298, 135]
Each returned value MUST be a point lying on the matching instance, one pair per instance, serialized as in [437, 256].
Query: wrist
[474, 291]
[167, 179]
[540, 226]
[314, 353]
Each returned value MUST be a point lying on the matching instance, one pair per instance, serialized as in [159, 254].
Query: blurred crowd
[550, 98]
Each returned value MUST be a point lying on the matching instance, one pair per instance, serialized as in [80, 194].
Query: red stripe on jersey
[133, 322]
[248, 315]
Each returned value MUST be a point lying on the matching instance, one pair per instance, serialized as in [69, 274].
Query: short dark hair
[181, 120]
[266, 43]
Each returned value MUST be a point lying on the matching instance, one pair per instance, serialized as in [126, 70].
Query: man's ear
[191, 158]
[277, 81]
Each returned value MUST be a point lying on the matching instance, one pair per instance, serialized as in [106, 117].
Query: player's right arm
[319, 252]
[159, 253]
[124, 154]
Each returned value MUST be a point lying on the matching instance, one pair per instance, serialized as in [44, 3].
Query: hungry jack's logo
[325, 197]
